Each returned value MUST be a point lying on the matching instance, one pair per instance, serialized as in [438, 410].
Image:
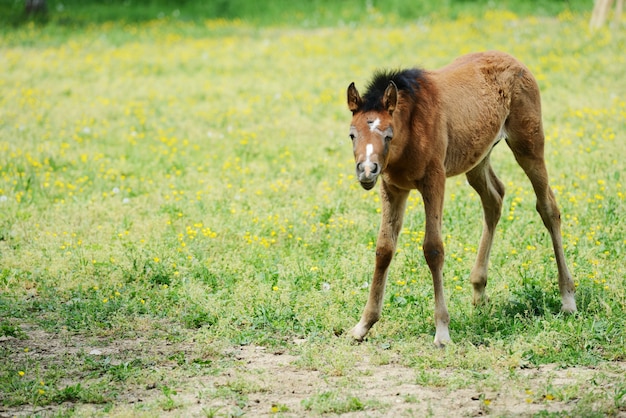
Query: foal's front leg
[432, 190]
[393, 204]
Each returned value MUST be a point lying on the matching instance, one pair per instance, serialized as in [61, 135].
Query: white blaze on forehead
[374, 125]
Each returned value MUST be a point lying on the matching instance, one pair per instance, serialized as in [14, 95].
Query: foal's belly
[465, 152]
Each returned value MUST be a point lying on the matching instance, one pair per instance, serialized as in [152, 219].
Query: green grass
[191, 183]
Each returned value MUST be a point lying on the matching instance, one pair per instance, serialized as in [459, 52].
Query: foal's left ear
[390, 98]
[354, 98]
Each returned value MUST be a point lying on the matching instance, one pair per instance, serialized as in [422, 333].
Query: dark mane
[407, 81]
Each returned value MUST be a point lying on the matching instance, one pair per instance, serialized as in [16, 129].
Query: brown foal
[413, 128]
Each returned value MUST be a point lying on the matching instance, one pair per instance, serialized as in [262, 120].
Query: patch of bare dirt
[395, 393]
[256, 382]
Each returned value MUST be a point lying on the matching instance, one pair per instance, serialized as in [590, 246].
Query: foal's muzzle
[367, 174]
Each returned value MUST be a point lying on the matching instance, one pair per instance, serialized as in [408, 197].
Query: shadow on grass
[531, 320]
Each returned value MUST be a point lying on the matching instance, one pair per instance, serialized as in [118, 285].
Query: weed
[333, 403]
[169, 403]
[78, 393]
[10, 329]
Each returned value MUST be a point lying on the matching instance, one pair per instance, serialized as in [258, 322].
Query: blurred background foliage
[306, 13]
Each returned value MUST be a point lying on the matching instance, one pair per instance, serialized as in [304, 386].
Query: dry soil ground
[255, 381]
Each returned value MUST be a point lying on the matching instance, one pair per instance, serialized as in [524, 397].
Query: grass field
[177, 200]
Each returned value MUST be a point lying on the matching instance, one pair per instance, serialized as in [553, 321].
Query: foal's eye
[388, 134]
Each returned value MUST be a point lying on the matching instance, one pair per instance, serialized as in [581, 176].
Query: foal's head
[372, 127]
[371, 131]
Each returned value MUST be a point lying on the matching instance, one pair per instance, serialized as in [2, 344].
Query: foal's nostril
[374, 168]
[359, 167]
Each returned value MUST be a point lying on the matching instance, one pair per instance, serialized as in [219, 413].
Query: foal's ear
[390, 98]
[354, 98]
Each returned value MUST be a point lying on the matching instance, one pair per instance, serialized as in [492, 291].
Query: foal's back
[483, 95]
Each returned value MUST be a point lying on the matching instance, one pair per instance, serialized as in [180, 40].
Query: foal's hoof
[568, 309]
[355, 336]
[480, 300]
[442, 338]
[442, 344]
[569, 304]
[358, 332]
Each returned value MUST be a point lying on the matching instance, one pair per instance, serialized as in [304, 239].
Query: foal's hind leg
[527, 142]
[491, 192]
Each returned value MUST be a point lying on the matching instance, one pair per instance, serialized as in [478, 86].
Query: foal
[414, 128]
